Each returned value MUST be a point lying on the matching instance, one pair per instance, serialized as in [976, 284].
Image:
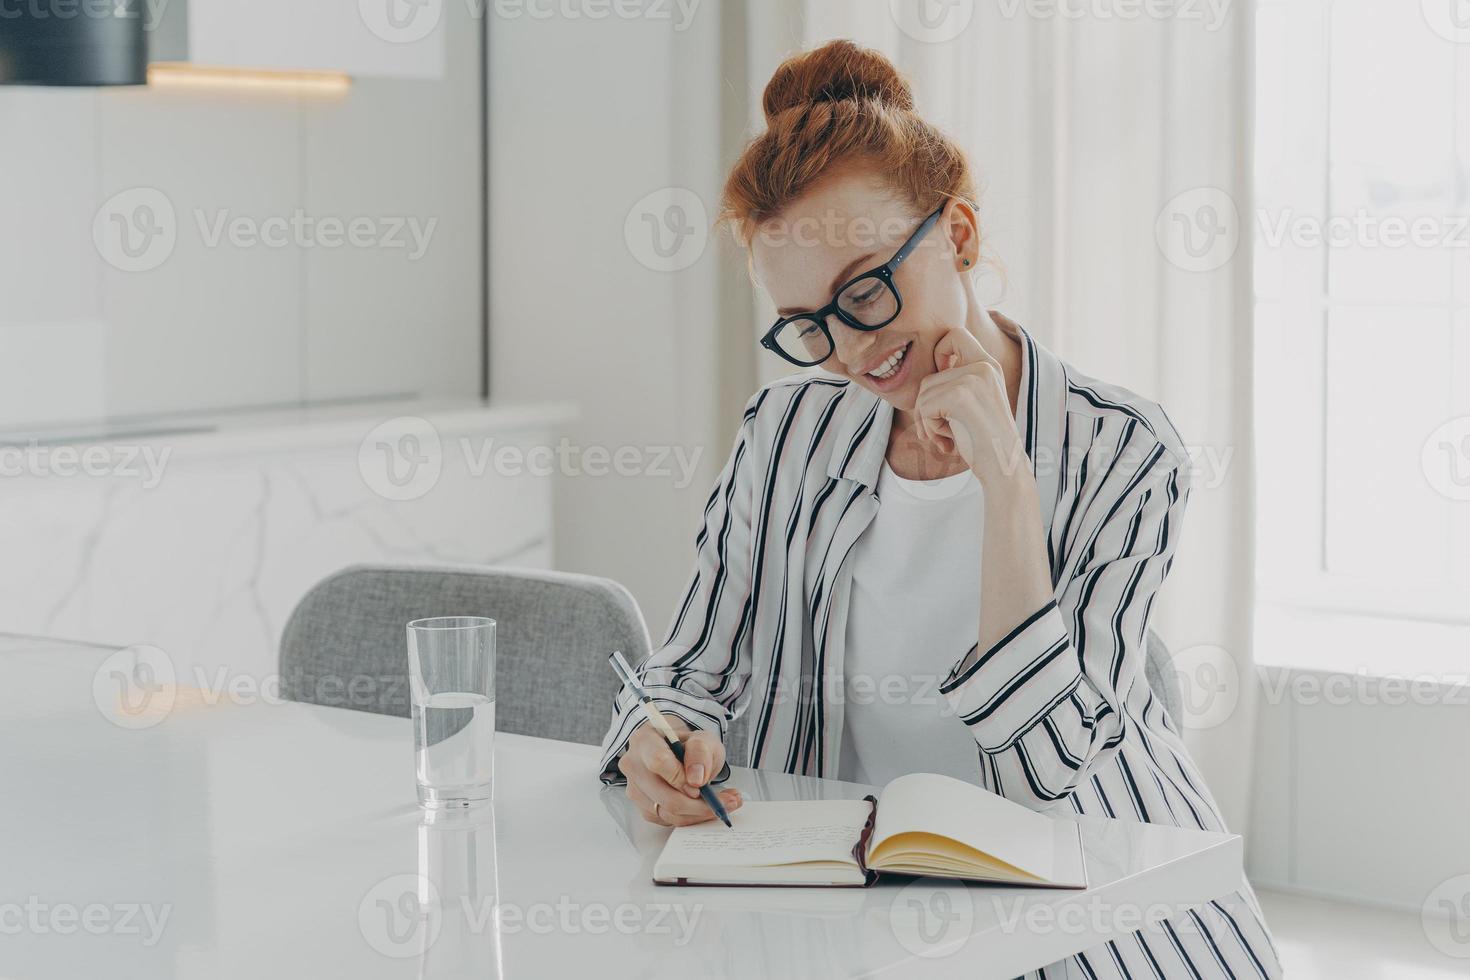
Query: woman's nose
[851, 345]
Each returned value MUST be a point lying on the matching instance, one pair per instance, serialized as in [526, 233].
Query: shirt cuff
[700, 714]
[985, 690]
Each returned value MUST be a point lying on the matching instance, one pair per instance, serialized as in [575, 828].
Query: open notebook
[920, 824]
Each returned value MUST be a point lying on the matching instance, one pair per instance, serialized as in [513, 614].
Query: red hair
[835, 106]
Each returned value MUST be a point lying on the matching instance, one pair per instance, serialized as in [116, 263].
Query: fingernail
[696, 774]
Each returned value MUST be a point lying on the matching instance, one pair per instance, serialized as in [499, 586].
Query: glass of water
[452, 678]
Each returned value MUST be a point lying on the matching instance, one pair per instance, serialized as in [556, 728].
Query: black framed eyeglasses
[870, 301]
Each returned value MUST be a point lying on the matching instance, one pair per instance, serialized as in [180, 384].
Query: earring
[967, 263]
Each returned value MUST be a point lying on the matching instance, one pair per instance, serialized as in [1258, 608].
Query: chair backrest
[1163, 678]
[345, 644]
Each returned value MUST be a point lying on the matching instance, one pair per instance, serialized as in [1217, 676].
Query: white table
[271, 840]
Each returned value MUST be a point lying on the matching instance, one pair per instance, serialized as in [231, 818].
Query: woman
[938, 555]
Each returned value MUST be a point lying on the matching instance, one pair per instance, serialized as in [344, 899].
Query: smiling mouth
[891, 365]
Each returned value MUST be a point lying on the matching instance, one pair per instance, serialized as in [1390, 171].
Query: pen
[661, 725]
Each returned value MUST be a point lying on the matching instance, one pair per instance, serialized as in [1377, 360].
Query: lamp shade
[85, 43]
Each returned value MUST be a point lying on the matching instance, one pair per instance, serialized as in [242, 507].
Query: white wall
[587, 117]
[1361, 787]
[226, 326]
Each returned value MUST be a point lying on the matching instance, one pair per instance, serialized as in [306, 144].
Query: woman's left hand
[963, 407]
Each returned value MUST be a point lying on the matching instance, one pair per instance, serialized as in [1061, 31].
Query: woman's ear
[962, 226]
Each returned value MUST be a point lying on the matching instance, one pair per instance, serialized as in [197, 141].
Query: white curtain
[1085, 119]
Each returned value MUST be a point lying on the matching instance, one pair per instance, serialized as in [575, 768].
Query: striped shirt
[1062, 716]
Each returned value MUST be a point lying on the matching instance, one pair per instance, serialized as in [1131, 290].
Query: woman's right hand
[665, 792]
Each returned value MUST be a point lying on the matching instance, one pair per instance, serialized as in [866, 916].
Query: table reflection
[448, 914]
[459, 892]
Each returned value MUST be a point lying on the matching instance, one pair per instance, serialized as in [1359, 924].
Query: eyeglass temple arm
[914, 239]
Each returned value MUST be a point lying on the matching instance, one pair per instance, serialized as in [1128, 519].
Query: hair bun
[837, 71]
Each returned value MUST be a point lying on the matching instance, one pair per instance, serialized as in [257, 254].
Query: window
[1362, 283]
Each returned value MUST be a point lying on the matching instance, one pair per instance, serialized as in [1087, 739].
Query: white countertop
[242, 838]
[277, 428]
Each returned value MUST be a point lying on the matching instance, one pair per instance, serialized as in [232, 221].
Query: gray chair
[1158, 668]
[345, 644]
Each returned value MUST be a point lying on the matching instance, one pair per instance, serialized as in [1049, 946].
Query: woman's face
[846, 225]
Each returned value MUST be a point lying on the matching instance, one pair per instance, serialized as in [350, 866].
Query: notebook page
[770, 834]
[930, 803]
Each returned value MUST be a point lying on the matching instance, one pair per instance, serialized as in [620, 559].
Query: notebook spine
[860, 849]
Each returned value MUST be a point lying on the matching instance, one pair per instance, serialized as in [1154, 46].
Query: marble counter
[199, 535]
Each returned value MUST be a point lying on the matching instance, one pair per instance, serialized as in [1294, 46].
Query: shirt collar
[862, 436]
[1041, 416]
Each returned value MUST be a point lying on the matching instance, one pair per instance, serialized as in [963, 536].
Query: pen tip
[726, 821]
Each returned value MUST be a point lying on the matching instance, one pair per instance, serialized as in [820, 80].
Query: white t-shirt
[913, 613]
